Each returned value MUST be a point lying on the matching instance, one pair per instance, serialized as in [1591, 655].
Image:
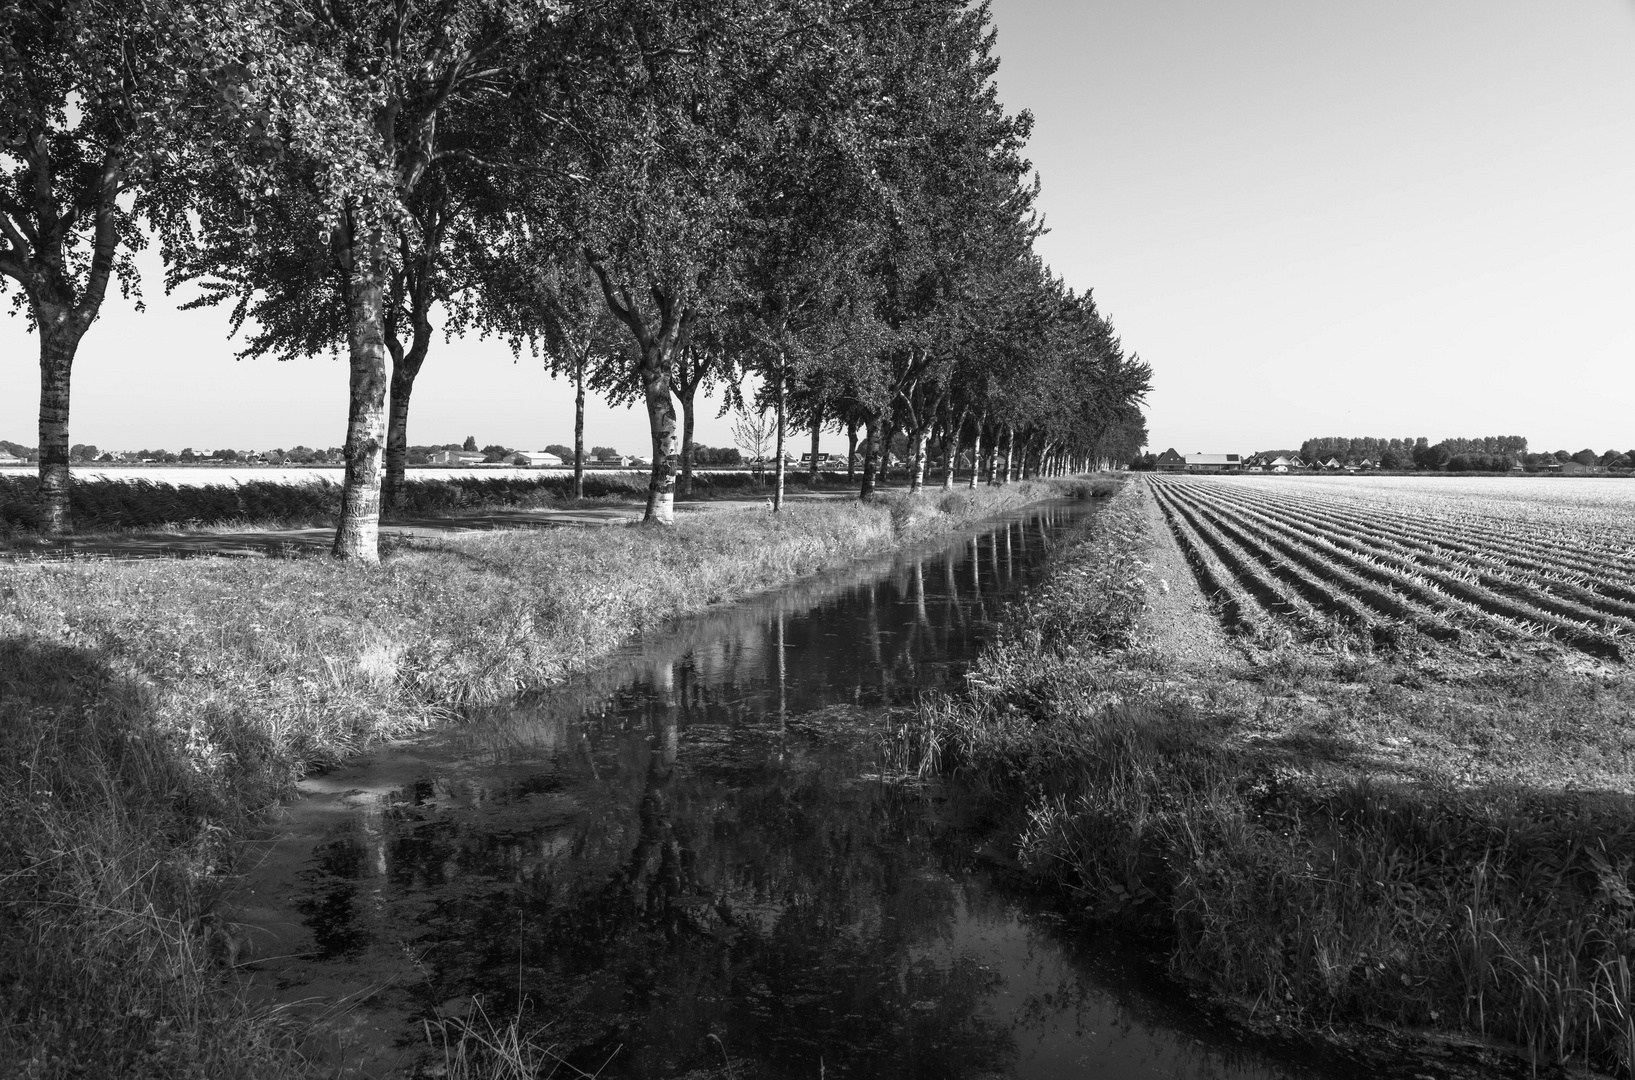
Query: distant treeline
[1491, 453]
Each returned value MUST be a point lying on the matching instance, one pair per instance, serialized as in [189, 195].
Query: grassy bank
[1318, 832]
[150, 711]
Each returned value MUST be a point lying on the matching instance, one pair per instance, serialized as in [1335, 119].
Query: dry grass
[1427, 836]
[149, 711]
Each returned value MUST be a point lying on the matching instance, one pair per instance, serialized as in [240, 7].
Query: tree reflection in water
[685, 854]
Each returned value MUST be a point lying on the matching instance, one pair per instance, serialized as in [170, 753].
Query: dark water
[688, 865]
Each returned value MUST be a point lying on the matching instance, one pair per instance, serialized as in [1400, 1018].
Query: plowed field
[1498, 559]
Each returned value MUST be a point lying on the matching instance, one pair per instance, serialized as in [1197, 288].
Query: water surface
[687, 864]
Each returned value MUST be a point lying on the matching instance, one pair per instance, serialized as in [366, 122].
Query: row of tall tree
[1412, 452]
[819, 205]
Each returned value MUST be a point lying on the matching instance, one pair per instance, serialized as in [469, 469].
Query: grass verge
[150, 711]
[1321, 833]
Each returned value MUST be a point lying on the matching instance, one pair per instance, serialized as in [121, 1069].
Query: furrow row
[1577, 578]
[1241, 612]
[1475, 597]
[1277, 596]
[1401, 584]
[1364, 593]
[1592, 612]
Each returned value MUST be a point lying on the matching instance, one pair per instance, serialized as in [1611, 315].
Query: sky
[1311, 217]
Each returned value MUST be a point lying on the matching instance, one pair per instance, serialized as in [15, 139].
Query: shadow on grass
[114, 846]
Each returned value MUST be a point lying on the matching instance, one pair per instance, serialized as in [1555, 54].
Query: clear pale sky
[1391, 218]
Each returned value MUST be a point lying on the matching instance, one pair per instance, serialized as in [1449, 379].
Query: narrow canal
[687, 864]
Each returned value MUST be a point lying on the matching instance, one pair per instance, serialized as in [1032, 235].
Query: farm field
[1488, 563]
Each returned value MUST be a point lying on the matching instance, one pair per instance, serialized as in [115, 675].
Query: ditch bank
[151, 712]
[1284, 876]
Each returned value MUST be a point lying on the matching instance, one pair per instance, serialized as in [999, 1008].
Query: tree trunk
[358, 536]
[777, 490]
[817, 433]
[579, 427]
[976, 455]
[661, 418]
[657, 351]
[916, 450]
[950, 450]
[59, 341]
[405, 367]
[851, 450]
[686, 444]
[1010, 450]
[871, 457]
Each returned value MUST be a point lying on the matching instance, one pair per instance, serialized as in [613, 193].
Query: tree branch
[625, 313]
[107, 237]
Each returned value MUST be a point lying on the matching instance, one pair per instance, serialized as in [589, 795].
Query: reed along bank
[151, 712]
[1419, 849]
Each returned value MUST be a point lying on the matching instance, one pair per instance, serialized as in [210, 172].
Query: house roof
[1214, 459]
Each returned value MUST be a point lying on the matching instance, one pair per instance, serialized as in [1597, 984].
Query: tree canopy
[819, 206]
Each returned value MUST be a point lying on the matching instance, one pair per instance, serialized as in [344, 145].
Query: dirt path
[263, 543]
[1181, 619]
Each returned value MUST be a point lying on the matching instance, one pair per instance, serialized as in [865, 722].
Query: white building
[539, 459]
[457, 457]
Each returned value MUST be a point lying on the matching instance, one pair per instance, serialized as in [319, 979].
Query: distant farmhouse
[537, 458]
[1214, 463]
[458, 457]
[1171, 462]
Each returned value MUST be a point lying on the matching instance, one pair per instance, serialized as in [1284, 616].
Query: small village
[1172, 462]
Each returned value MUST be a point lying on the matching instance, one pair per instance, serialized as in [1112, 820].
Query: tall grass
[150, 711]
[1306, 881]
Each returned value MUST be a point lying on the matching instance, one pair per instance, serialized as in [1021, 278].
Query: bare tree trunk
[658, 348]
[871, 457]
[976, 455]
[411, 283]
[916, 449]
[405, 369]
[686, 444]
[950, 449]
[690, 373]
[46, 270]
[777, 490]
[59, 339]
[817, 434]
[1010, 449]
[579, 425]
[851, 450]
[661, 418]
[358, 536]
